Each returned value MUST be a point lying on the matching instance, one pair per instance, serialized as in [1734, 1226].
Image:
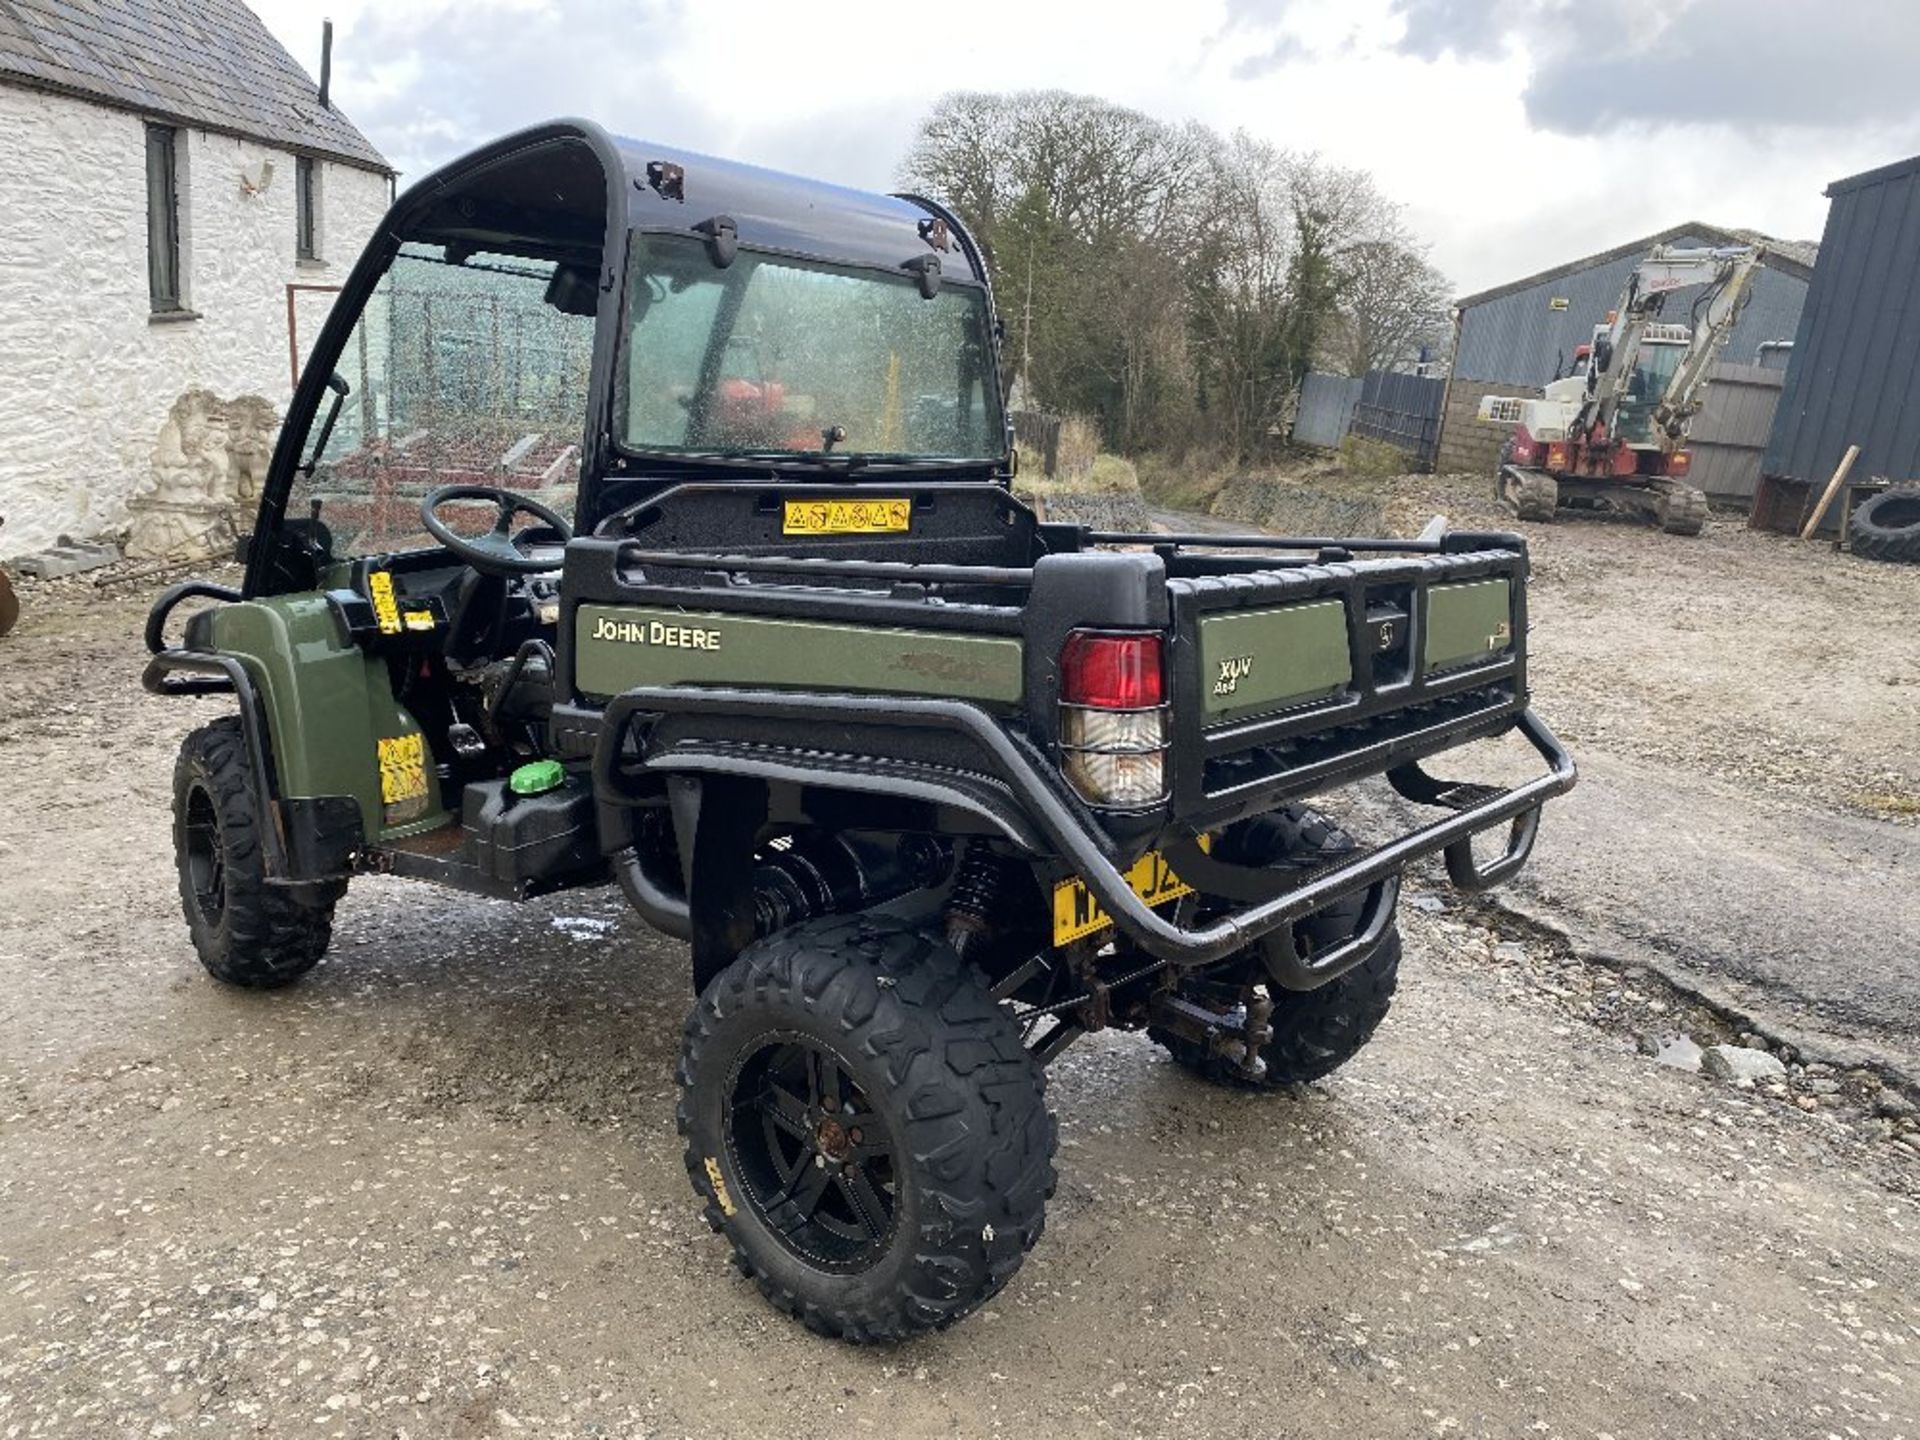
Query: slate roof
[210, 64]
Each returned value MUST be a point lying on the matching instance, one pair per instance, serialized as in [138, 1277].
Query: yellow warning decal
[719, 1185]
[1077, 914]
[385, 609]
[846, 517]
[419, 619]
[403, 768]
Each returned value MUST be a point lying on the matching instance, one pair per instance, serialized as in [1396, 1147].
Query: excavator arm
[1725, 272]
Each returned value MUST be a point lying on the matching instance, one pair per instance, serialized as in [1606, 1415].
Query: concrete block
[69, 557]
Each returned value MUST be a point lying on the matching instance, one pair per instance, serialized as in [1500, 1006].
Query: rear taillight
[1679, 463]
[1113, 718]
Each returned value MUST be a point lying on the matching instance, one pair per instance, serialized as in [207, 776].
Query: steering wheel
[499, 551]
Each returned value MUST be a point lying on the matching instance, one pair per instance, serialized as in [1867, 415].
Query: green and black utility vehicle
[643, 518]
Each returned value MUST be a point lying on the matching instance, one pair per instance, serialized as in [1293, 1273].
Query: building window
[306, 190]
[163, 218]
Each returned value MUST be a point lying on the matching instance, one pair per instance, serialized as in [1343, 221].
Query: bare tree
[1393, 306]
[1240, 290]
[1151, 274]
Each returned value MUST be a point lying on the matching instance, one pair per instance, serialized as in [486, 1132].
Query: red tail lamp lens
[1679, 463]
[1111, 672]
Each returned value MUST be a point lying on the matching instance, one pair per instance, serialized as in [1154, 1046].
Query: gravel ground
[1744, 709]
[1750, 657]
[434, 1190]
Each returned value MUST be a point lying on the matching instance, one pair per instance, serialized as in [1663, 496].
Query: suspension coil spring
[976, 890]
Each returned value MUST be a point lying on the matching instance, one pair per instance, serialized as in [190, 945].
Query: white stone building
[167, 171]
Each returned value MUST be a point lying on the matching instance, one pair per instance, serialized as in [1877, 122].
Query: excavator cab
[1653, 371]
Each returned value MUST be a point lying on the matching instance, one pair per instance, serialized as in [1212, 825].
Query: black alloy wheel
[815, 1159]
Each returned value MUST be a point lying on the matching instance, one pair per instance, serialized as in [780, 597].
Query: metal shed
[1524, 332]
[1853, 377]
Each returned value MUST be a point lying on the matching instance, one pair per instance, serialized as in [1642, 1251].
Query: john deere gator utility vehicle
[643, 518]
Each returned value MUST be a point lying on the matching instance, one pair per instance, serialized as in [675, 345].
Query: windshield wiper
[816, 459]
[765, 461]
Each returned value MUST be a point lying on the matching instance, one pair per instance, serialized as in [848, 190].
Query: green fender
[333, 725]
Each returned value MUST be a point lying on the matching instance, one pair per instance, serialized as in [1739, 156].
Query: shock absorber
[821, 874]
[976, 891]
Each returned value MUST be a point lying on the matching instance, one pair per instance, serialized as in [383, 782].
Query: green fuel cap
[537, 777]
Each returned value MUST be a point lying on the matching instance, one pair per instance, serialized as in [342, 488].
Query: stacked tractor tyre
[1887, 526]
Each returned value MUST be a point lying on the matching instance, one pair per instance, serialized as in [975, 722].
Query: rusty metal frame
[293, 339]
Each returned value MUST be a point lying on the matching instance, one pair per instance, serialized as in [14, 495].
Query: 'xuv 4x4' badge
[1233, 670]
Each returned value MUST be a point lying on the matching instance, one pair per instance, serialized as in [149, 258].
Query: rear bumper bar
[1073, 834]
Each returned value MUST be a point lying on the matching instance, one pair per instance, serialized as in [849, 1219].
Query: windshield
[778, 357]
[1653, 371]
[461, 369]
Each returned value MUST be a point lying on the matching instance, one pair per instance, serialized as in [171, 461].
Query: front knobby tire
[1315, 1032]
[245, 931]
[865, 1127]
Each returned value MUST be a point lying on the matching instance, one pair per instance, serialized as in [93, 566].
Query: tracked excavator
[1613, 434]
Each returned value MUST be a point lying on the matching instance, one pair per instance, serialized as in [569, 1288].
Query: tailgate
[1292, 678]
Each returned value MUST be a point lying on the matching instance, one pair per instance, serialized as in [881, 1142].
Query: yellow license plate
[846, 517]
[1076, 914]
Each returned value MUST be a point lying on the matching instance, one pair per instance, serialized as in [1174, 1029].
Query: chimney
[326, 62]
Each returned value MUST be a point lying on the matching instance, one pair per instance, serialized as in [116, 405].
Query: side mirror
[1602, 355]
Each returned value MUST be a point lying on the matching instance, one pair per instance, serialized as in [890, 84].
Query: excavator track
[1681, 509]
[1533, 494]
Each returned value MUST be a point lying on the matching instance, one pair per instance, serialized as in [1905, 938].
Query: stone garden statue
[208, 466]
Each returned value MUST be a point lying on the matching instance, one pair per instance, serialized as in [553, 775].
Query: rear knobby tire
[1887, 526]
[935, 1207]
[1315, 1032]
[247, 932]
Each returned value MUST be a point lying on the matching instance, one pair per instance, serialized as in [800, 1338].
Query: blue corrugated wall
[1519, 338]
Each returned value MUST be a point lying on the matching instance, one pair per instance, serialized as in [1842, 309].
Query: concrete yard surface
[434, 1190]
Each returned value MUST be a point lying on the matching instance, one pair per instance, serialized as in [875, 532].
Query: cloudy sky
[1517, 133]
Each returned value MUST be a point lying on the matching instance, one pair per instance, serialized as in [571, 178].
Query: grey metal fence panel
[1325, 409]
[1402, 410]
[1729, 435]
[1396, 390]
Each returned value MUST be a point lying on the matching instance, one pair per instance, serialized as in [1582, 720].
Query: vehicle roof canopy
[568, 187]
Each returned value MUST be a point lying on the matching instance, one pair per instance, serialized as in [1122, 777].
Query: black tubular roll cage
[631, 189]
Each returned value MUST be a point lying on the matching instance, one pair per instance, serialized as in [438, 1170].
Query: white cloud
[1509, 153]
